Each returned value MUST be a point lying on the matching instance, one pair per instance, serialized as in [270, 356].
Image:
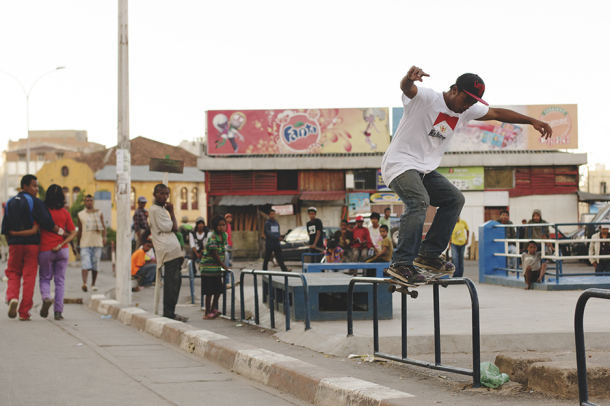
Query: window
[75, 193]
[184, 205]
[132, 198]
[602, 188]
[287, 180]
[66, 193]
[194, 199]
[65, 171]
[365, 179]
[498, 178]
[21, 157]
[60, 155]
[40, 157]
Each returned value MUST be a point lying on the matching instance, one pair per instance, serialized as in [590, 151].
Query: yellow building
[71, 175]
[96, 172]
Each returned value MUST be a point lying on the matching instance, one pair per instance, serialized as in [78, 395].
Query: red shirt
[49, 239]
[229, 241]
[365, 237]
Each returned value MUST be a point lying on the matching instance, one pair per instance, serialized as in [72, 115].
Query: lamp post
[27, 102]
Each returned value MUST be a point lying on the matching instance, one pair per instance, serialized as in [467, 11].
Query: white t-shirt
[423, 134]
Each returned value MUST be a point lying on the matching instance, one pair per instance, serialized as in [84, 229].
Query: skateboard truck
[404, 289]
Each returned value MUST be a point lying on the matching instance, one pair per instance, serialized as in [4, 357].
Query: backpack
[15, 221]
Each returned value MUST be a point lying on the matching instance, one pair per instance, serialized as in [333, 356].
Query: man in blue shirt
[272, 242]
[20, 214]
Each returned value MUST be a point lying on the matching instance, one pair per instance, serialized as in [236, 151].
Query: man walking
[272, 242]
[20, 214]
[140, 220]
[163, 226]
[409, 166]
[459, 240]
[91, 237]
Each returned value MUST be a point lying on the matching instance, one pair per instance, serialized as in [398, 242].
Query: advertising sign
[381, 186]
[385, 197]
[465, 178]
[284, 210]
[497, 136]
[297, 131]
[358, 203]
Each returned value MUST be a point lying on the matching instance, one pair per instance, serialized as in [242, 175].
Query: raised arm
[509, 116]
[407, 84]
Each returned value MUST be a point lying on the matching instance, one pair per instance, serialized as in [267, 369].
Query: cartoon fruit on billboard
[299, 131]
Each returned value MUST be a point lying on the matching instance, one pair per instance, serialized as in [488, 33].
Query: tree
[42, 193]
[78, 205]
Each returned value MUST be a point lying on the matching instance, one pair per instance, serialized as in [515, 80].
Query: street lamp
[27, 102]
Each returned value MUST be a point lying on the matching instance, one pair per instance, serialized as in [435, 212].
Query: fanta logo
[300, 132]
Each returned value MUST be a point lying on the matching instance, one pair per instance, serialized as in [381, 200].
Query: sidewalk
[426, 385]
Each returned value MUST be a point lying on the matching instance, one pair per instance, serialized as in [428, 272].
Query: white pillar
[123, 184]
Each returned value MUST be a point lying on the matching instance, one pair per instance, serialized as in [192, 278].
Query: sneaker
[181, 318]
[94, 288]
[58, 316]
[406, 273]
[435, 266]
[44, 310]
[12, 308]
[28, 318]
[84, 287]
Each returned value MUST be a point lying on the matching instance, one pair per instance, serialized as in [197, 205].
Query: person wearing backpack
[20, 215]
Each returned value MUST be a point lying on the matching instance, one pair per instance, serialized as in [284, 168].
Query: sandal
[209, 316]
[216, 313]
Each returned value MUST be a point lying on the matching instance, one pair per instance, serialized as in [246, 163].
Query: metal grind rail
[476, 332]
[579, 335]
[270, 274]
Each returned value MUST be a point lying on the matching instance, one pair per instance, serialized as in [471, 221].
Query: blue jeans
[418, 191]
[457, 257]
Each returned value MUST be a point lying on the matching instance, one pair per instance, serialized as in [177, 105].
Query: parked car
[579, 247]
[394, 226]
[296, 242]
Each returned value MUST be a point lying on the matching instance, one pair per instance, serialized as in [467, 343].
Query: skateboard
[403, 287]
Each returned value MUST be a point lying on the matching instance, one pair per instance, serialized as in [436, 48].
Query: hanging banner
[498, 136]
[381, 186]
[465, 178]
[358, 203]
[298, 131]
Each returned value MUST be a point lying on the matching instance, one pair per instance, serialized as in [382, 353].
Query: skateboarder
[409, 167]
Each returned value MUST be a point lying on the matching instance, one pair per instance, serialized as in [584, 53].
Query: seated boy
[385, 253]
[534, 270]
[142, 268]
[333, 253]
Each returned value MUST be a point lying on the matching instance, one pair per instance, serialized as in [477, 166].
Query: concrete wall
[329, 214]
[474, 208]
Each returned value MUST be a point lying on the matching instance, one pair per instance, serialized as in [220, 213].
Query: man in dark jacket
[272, 242]
[19, 215]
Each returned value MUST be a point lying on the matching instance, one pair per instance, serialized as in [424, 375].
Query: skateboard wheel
[414, 294]
[391, 288]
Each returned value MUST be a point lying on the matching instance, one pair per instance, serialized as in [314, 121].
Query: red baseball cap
[472, 85]
[359, 218]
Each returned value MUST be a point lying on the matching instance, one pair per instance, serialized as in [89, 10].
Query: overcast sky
[187, 57]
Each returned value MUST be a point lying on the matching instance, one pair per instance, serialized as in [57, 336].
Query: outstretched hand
[416, 74]
[545, 130]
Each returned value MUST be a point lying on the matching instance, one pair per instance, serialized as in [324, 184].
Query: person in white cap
[409, 167]
[600, 248]
[315, 229]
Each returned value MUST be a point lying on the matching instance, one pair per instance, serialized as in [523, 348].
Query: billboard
[498, 136]
[465, 177]
[358, 203]
[297, 131]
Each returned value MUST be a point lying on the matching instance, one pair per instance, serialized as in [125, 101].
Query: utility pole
[123, 168]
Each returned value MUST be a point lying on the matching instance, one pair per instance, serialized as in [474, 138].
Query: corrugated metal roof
[142, 173]
[328, 195]
[257, 200]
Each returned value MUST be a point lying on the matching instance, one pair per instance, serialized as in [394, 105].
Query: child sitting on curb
[534, 269]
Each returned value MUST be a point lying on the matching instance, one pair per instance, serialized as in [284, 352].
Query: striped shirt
[209, 266]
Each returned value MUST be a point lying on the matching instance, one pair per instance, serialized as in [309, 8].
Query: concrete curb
[305, 381]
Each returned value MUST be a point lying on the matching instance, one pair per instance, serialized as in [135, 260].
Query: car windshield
[298, 234]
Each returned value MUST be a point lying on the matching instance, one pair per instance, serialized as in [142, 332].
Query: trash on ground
[363, 357]
[491, 376]
[238, 325]
[106, 317]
